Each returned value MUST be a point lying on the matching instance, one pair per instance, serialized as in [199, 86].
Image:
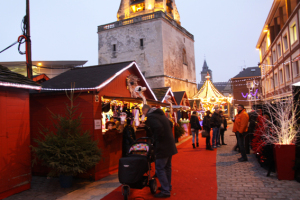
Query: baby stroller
[134, 170]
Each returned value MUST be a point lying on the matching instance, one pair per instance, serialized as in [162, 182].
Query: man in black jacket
[164, 148]
[223, 128]
[206, 127]
[215, 123]
[195, 127]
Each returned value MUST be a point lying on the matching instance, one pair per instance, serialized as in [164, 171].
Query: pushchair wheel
[126, 191]
[153, 185]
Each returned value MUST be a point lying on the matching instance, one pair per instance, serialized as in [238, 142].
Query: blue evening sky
[226, 31]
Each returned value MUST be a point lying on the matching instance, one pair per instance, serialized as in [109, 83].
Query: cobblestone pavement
[247, 180]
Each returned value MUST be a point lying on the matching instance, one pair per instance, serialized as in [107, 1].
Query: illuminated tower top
[133, 8]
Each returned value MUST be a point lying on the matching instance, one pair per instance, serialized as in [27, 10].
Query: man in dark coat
[215, 123]
[164, 147]
[195, 127]
[206, 127]
[223, 128]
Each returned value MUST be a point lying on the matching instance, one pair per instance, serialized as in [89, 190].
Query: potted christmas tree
[68, 151]
[283, 132]
[179, 131]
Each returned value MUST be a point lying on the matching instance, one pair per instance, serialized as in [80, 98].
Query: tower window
[141, 42]
[137, 5]
[184, 57]
[114, 47]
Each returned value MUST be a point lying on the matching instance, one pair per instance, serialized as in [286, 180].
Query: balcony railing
[146, 17]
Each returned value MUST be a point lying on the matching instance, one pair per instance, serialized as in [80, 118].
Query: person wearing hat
[206, 127]
[240, 128]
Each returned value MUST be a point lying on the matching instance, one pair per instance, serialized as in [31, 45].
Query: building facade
[149, 32]
[279, 49]
[246, 87]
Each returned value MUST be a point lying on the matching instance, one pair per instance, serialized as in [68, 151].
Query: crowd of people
[215, 122]
[159, 127]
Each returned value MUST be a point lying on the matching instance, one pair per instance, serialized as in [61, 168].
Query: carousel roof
[208, 91]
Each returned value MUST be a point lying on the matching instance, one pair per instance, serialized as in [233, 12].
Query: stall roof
[178, 96]
[12, 79]
[90, 78]
[85, 77]
[160, 93]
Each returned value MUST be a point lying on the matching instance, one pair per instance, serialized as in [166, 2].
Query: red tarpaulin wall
[15, 161]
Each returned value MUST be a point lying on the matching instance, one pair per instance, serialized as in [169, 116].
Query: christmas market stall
[183, 113]
[107, 95]
[15, 156]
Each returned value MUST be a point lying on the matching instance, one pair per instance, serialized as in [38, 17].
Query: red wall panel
[40, 104]
[15, 160]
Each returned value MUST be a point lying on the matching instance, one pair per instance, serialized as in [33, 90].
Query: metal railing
[146, 17]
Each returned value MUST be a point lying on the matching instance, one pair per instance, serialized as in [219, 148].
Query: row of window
[114, 46]
[284, 75]
[277, 50]
[184, 56]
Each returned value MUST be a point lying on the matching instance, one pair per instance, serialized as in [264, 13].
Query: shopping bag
[204, 133]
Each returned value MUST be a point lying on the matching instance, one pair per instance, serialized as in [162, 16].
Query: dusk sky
[226, 32]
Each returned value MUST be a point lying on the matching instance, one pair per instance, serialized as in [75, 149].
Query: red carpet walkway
[193, 176]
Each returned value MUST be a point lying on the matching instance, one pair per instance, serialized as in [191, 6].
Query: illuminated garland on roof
[30, 87]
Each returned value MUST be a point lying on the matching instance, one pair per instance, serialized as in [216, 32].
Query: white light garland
[20, 86]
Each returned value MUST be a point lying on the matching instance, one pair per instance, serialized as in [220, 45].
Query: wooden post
[28, 46]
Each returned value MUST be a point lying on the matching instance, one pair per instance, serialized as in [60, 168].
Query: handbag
[204, 133]
[222, 126]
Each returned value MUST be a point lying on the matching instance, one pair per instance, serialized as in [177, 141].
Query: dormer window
[137, 5]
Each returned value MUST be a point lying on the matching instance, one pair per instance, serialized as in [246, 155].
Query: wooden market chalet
[101, 90]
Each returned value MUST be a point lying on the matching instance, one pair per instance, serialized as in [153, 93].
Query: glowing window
[138, 7]
[293, 33]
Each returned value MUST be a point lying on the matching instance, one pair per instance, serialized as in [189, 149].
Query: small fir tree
[68, 151]
[179, 130]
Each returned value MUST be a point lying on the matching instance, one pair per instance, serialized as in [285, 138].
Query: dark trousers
[208, 145]
[247, 142]
[222, 131]
[241, 142]
[164, 172]
[237, 143]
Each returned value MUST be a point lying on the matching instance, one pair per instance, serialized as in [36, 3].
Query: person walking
[215, 123]
[240, 127]
[164, 148]
[223, 127]
[195, 127]
[206, 127]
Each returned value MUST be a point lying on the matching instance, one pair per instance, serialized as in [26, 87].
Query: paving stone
[248, 179]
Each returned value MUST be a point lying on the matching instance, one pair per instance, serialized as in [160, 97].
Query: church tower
[204, 72]
[150, 32]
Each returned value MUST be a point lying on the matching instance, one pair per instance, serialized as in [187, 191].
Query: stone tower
[204, 72]
[149, 32]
